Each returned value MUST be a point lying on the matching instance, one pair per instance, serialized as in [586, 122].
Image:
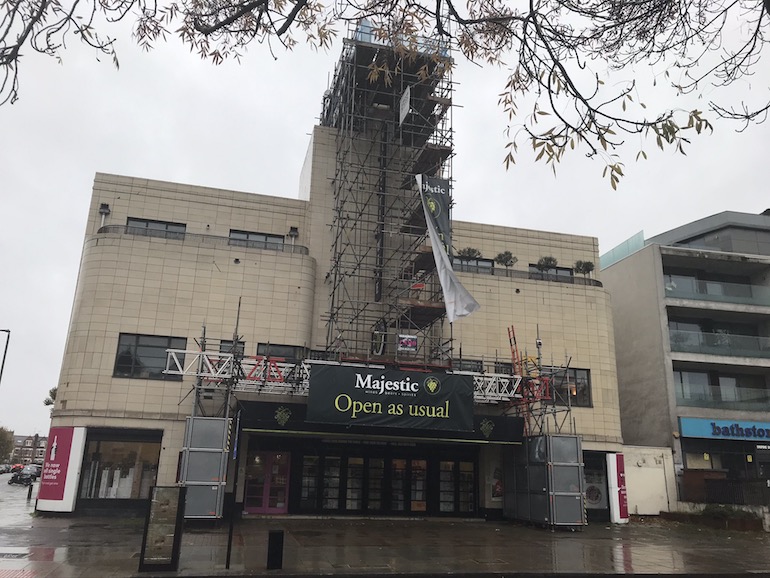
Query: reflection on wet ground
[33, 546]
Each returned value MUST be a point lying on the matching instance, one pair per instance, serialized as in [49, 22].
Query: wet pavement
[36, 547]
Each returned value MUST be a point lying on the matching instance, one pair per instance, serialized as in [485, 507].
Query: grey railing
[203, 239]
[462, 267]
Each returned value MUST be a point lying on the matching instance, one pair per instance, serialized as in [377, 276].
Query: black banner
[390, 398]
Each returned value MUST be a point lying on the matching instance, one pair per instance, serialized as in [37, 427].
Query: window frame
[256, 240]
[583, 387]
[480, 266]
[564, 274]
[475, 365]
[155, 228]
[124, 338]
[281, 351]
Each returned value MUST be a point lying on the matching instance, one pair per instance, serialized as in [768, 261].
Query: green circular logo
[432, 385]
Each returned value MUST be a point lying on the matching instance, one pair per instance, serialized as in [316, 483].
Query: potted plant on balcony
[468, 254]
[506, 259]
[584, 267]
[545, 264]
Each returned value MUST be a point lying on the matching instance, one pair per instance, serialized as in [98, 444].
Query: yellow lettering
[429, 411]
[395, 409]
[361, 407]
[345, 398]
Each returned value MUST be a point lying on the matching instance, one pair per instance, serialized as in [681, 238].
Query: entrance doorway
[267, 483]
[398, 484]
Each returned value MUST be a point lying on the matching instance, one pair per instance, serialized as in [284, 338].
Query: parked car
[16, 468]
[5, 468]
[32, 470]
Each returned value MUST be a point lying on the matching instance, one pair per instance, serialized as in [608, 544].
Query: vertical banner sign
[56, 464]
[367, 396]
[435, 203]
[61, 469]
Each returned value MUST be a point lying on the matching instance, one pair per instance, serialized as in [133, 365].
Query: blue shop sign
[728, 429]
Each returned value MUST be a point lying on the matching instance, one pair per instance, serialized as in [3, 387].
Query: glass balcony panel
[687, 288]
[719, 344]
[759, 404]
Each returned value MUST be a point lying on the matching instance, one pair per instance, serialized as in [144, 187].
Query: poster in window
[497, 484]
[407, 343]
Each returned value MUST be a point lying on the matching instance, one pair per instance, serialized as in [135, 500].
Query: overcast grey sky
[167, 115]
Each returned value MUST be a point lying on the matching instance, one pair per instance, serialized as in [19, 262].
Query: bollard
[275, 550]
[29, 493]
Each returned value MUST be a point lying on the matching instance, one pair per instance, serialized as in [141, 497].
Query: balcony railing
[719, 344]
[719, 291]
[461, 267]
[760, 402]
[202, 239]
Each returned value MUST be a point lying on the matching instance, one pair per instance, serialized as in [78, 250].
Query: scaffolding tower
[390, 103]
[540, 401]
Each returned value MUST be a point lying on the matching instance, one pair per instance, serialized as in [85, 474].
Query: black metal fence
[738, 492]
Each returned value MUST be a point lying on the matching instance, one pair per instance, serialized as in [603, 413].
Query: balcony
[212, 240]
[719, 344]
[724, 398]
[718, 291]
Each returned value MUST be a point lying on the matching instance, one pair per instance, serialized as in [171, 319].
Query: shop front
[97, 468]
[394, 444]
[724, 461]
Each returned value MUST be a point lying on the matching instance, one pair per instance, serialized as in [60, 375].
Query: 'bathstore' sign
[692, 427]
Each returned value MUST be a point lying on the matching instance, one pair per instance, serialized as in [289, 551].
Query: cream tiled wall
[172, 287]
[320, 164]
[574, 321]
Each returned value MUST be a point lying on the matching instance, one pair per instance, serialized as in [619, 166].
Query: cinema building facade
[316, 329]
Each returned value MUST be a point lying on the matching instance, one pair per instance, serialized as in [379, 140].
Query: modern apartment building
[691, 309]
[317, 324]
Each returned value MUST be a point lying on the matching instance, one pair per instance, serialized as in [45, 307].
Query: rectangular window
[152, 228]
[226, 346]
[504, 367]
[287, 352]
[256, 240]
[573, 387]
[565, 274]
[480, 266]
[119, 469]
[692, 385]
[144, 356]
[469, 365]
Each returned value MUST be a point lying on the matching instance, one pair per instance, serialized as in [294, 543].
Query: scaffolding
[390, 103]
[540, 401]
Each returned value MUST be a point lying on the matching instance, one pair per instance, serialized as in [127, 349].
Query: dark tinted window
[153, 228]
[144, 356]
[256, 240]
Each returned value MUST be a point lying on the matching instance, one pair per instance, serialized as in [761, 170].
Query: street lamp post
[5, 351]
